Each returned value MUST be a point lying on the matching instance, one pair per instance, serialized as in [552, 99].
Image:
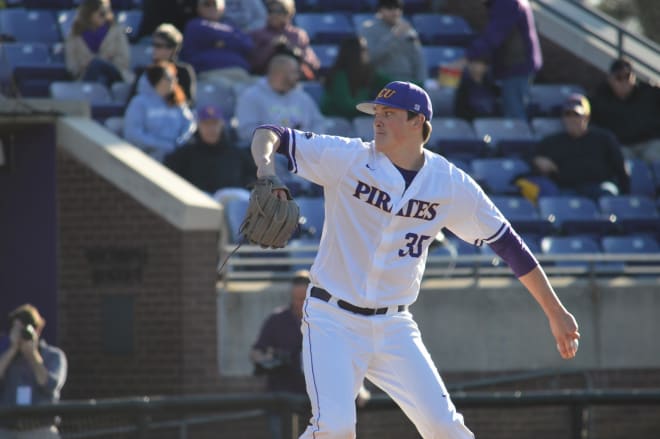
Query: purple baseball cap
[209, 112]
[402, 95]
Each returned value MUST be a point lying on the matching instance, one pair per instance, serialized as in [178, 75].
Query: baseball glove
[269, 221]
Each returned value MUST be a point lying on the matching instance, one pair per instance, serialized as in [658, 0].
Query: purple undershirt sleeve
[513, 250]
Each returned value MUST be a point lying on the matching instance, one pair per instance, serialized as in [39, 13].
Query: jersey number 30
[414, 245]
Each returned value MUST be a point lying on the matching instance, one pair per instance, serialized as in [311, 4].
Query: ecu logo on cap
[386, 93]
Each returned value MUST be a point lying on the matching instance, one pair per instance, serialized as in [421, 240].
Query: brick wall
[136, 295]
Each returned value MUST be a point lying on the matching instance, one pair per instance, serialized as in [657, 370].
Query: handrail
[621, 32]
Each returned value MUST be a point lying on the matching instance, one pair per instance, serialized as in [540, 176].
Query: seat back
[548, 99]
[30, 25]
[496, 174]
[442, 29]
[325, 27]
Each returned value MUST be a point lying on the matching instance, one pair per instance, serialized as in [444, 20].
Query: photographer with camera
[31, 372]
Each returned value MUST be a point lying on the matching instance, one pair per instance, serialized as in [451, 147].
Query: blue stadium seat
[364, 127]
[30, 25]
[312, 216]
[437, 56]
[31, 67]
[496, 174]
[141, 56]
[505, 136]
[120, 92]
[632, 213]
[95, 93]
[630, 244]
[454, 137]
[325, 27]
[574, 215]
[442, 29]
[65, 19]
[314, 89]
[442, 99]
[575, 245]
[548, 99]
[339, 126]
[545, 126]
[327, 53]
[131, 20]
[359, 18]
[234, 209]
[216, 94]
[641, 178]
[523, 215]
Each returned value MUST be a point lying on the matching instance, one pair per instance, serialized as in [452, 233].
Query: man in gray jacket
[394, 46]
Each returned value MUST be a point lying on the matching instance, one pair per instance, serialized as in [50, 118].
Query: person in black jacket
[631, 109]
[210, 160]
[582, 160]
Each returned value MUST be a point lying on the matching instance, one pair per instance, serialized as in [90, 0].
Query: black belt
[323, 295]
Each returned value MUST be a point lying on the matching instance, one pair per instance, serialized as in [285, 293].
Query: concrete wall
[490, 326]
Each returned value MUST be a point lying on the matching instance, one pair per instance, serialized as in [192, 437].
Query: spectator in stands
[217, 51]
[352, 79]
[166, 42]
[157, 119]
[210, 160]
[583, 160]
[97, 48]
[279, 35]
[246, 15]
[631, 109]
[277, 99]
[394, 46]
[155, 12]
[511, 45]
[32, 372]
[477, 94]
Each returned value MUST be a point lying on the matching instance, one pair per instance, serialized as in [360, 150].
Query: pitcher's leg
[404, 370]
[330, 349]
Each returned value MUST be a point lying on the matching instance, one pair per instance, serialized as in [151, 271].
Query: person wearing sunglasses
[630, 108]
[581, 160]
[97, 48]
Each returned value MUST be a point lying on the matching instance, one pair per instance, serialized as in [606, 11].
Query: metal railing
[251, 262]
[621, 33]
[140, 417]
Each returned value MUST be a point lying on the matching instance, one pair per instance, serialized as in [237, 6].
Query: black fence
[249, 415]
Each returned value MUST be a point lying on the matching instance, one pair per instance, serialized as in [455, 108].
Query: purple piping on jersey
[495, 236]
[293, 164]
[311, 365]
[513, 250]
[284, 135]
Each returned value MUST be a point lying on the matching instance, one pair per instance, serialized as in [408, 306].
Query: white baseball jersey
[376, 234]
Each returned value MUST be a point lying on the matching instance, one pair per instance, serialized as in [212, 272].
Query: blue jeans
[102, 71]
[515, 96]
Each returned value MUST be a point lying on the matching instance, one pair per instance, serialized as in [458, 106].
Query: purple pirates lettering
[419, 209]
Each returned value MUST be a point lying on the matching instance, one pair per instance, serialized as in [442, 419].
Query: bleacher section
[489, 149]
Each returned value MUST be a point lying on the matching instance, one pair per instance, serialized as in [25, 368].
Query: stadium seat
[574, 215]
[121, 91]
[216, 94]
[131, 20]
[505, 136]
[442, 99]
[327, 53]
[364, 127]
[455, 138]
[314, 89]
[325, 27]
[31, 67]
[339, 126]
[442, 29]
[65, 19]
[141, 56]
[545, 126]
[30, 25]
[95, 93]
[574, 245]
[234, 209]
[115, 124]
[496, 174]
[50, 4]
[437, 56]
[548, 99]
[632, 213]
[641, 178]
[312, 216]
[359, 18]
[523, 215]
[630, 244]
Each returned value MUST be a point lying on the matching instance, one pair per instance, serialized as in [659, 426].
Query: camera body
[27, 333]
